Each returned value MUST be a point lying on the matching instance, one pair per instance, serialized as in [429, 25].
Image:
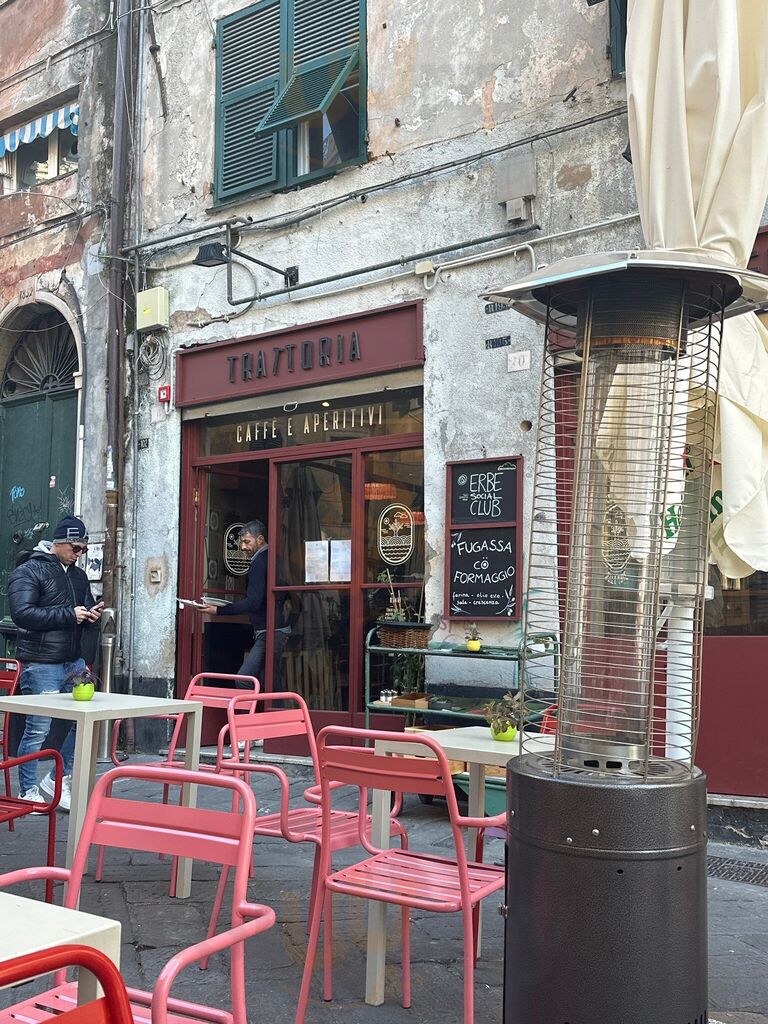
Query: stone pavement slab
[135, 891]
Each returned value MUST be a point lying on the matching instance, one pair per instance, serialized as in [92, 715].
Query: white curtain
[697, 93]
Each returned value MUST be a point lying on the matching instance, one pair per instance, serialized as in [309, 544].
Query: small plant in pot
[502, 716]
[402, 623]
[473, 636]
[84, 683]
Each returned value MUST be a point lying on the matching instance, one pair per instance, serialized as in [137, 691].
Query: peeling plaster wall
[50, 238]
[445, 81]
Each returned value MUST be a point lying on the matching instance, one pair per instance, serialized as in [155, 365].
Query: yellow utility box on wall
[152, 309]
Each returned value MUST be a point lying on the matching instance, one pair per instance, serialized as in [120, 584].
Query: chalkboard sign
[483, 567]
[484, 492]
[483, 502]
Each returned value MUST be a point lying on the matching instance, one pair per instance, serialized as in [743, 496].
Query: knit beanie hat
[69, 528]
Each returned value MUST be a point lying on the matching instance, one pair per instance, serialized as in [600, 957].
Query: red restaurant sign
[363, 345]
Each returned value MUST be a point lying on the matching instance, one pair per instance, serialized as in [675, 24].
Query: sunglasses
[79, 548]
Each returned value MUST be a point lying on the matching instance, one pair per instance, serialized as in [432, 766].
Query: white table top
[102, 706]
[31, 925]
[473, 744]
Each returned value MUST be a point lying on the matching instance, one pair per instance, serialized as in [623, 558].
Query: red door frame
[192, 524]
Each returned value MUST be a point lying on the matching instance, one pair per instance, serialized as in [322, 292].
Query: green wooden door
[37, 474]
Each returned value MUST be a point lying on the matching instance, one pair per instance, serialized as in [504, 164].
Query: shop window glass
[394, 516]
[312, 647]
[315, 522]
[739, 607]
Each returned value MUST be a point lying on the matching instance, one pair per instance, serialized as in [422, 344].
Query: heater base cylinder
[606, 898]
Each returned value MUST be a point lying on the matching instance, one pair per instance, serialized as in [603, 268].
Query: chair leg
[475, 931]
[213, 923]
[469, 965]
[51, 857]
[406, 952]
[309, 963]
[166, 791]
[328, 949]
[314, 886]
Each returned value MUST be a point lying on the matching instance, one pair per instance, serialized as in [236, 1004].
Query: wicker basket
[404, 634]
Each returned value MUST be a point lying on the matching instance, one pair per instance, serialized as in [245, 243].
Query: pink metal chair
[10, 670]
[221, 837]
[213, 697]
[12, 807]
[405, 878]
[113, 1007]
[246, 724]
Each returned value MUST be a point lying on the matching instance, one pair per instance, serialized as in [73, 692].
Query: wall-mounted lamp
[216, 254]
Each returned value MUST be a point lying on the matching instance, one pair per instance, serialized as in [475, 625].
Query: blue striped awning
[65, 117]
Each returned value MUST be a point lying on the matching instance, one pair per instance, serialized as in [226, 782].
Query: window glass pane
[402, 672]
[333, 138]
[67, 151]
[314, 545]
[32, 163]
[739, 607]
[312, 647]
[394, 516]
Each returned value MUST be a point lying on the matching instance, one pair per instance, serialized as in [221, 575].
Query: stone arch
[19, 315]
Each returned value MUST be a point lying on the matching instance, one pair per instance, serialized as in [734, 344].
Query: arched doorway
[38, 432]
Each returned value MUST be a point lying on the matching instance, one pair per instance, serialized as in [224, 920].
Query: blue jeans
[41, 678]
[253, 664]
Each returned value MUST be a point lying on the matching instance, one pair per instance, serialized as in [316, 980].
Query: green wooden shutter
[326, 40]
[248, 80]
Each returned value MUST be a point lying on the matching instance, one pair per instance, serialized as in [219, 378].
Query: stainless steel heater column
[606, 894]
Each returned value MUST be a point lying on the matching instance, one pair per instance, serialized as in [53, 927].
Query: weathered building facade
[55, 199]
[402, 163]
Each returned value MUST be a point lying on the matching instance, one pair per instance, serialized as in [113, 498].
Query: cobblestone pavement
[134, 891]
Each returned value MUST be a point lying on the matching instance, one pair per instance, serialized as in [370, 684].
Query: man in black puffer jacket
[51, 602]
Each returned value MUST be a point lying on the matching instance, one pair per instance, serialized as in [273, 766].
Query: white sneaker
[46, 787]
[34, 796]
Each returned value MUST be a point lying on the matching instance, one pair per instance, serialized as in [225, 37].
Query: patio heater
[606, 890]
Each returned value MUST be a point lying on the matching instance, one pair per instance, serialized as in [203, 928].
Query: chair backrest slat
[269, 725]
[126, 835]
[362, 767]
[204, 822]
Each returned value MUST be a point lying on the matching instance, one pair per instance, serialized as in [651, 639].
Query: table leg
[189, 794]
[475, 809]
[83, 776]
[107, 942]
[376, 960]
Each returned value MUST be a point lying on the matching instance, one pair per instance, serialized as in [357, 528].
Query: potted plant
[502, 716]
[402, 624]
[473, 636]
[84, 683]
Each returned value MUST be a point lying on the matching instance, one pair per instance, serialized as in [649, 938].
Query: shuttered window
[618, 23]
[290, 93]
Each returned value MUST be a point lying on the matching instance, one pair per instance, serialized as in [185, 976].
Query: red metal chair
[406, 878]
[221, 837]
[214, 697]
[245, 725]
[12, 807]
[10, 670]
[113, 1007]
[548, 725]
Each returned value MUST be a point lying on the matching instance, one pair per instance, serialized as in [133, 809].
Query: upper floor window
[290, 88]
[39, 150]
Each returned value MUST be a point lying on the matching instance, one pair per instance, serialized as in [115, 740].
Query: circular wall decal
[394, 535]
[236, 561]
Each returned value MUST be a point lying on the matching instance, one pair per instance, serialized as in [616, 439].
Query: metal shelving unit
[535, 647]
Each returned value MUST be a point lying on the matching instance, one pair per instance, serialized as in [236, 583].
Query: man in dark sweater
[253, 540]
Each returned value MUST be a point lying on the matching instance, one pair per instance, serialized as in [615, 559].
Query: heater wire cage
[618, 550]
